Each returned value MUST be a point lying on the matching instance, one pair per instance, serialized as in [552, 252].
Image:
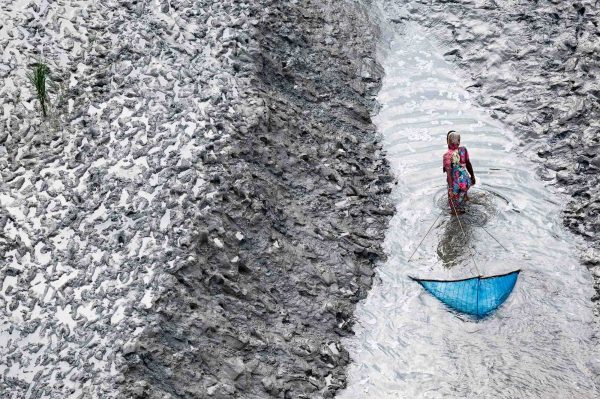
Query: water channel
[540, 343]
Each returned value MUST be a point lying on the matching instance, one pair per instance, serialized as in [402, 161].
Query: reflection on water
[540, 343]
[455, 244]
[453, 247]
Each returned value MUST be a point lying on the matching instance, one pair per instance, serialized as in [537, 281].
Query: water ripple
[408, 345]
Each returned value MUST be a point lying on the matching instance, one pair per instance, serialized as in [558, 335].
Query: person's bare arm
[449, 179]
[470, 170]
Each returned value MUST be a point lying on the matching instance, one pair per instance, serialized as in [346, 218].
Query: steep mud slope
[202, 208]
[290, 227]
[96, 200]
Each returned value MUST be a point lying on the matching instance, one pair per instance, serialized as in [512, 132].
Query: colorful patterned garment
[455, 160]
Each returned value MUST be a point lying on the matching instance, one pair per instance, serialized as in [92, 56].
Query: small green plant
[38, 78]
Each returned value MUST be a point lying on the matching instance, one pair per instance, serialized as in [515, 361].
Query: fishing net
[477, 296]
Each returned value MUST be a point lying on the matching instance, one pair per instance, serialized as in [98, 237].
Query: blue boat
[475, 296]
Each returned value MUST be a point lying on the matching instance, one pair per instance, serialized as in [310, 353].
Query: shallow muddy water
[540, 343]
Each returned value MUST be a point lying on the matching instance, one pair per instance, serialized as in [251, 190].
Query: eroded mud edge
[291, 224]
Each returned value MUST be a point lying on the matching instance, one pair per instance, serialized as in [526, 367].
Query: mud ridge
[291, 226]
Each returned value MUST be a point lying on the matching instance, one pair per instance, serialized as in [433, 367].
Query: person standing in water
[456, 164]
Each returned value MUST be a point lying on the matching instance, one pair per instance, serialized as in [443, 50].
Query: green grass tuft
[38, 78]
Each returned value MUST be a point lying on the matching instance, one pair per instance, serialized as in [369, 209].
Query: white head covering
[454, 138]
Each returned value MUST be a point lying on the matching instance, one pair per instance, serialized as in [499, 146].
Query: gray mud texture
[202, 209]
[285, 243]
[536, 66]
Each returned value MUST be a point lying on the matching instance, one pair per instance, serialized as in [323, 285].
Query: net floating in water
[475, 296]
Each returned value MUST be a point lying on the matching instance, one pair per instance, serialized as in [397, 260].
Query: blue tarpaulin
[476, 296]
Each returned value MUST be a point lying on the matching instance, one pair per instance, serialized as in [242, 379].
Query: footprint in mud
[456, 242]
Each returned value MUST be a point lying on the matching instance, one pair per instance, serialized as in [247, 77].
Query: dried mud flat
[204, 205]
[535, 65]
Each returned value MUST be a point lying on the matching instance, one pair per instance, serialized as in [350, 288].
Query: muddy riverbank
[203, 208]
[286, 242]
[207, 202]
